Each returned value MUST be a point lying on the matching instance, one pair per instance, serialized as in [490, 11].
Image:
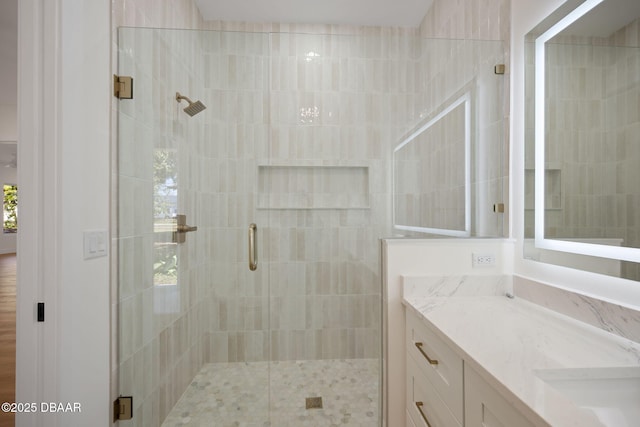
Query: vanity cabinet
[441, 391]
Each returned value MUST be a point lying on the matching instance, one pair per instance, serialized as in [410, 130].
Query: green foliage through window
[164, 184]
[10, 208]
[165, 267]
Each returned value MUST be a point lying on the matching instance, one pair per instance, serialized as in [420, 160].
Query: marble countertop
[513, 344]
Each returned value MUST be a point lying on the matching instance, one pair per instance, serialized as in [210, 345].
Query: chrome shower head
[193, 108]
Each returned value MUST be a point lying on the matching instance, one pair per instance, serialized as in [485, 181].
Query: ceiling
[394, 13]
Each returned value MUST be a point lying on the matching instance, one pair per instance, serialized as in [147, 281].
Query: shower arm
[181, 97]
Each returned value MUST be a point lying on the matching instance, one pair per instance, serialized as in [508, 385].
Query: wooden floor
[7, 335]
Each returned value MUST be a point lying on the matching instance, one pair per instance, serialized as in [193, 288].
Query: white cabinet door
[484, 407]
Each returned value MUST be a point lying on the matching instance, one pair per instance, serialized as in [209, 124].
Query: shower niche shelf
[313, 187]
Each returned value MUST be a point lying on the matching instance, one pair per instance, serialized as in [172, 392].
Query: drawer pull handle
[419, 405]
[430, 360]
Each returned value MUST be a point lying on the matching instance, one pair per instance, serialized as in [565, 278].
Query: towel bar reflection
[253, 254]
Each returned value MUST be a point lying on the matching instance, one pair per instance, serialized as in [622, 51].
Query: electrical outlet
[484, 260]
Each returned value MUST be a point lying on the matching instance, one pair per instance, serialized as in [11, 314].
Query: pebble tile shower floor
[236, 394]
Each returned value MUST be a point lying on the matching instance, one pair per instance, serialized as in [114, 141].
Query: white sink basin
[611, 394]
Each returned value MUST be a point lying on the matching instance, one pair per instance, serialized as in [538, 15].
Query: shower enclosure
[284, 165]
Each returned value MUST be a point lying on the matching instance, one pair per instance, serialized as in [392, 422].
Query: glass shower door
[289, 140]
[193, 319]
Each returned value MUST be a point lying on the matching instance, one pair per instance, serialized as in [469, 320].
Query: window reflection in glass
[165, 204]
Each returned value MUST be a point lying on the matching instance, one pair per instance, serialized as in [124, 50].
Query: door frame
[64, 123]
[37, 240]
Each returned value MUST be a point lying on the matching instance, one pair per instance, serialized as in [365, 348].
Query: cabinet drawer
[446, 375]
[424, 402]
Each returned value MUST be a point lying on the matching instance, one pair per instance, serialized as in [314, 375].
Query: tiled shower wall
[224, 162]
[337, 105]
[593, 155]
[468, 20]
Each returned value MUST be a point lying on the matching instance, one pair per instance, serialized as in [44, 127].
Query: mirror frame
[592, 249]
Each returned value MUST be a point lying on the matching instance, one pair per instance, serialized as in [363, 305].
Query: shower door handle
[253, 249]
[182, 229]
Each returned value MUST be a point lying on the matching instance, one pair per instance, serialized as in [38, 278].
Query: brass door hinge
[123, 87]
[499, 69]
[123, 408]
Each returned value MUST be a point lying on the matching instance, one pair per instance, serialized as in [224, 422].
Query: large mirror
[582, 163]
[449, 169]
[432, 174]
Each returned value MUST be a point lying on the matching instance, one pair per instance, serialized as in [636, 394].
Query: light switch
[95, 243]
